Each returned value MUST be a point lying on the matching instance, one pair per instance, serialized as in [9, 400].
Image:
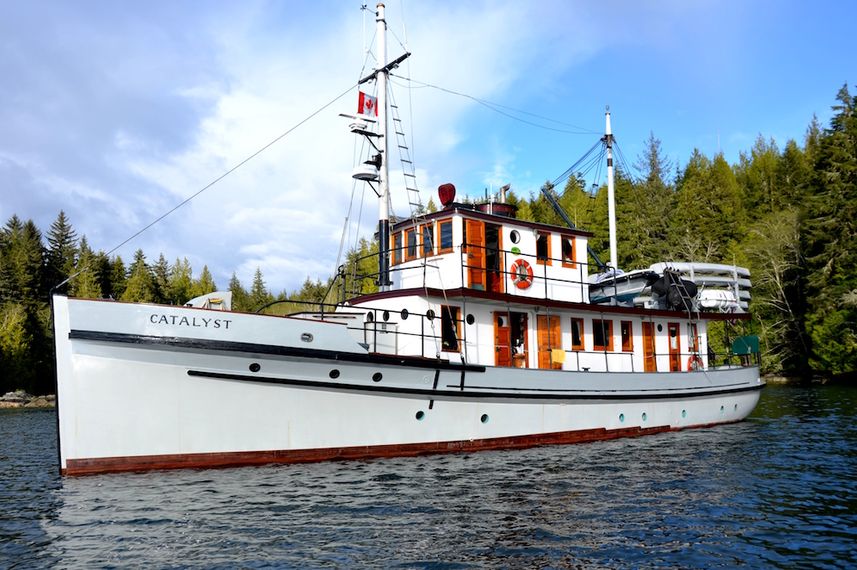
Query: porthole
[501, 322]
[484, 418]
[404, 314]
[377, 377]
[470, 319]
[334, 373]
[255, 367]
[735, 407]
[430, 315]
[644, 416]
[722, 409]
[684, 413]
[420, 415]
[386, 315]
[515, 236]
[369, 317]
[621, 417]
[660, 327]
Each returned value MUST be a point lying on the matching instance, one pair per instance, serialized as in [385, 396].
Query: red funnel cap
[446, 193]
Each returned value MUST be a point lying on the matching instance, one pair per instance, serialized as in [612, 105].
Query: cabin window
[450, 327]
[428, 240]
[543, 249]
[576, 334]
[445, 230]
[411, 244]
[397, 248]
[568, 251]
[602, 335]
[627, 336]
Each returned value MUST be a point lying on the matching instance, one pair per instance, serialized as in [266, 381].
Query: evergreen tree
[830, 242]
[118, 278]
[240, 299]
[710, 216]
[61, 253]
[140, 286]
[161, 274]
[87, 284]
[259, 295]
[204, 285]
[180, 283]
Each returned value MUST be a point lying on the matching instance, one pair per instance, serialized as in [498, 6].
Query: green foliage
[140, 287]
[204, 285]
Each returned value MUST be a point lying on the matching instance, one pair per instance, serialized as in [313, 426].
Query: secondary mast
[611, 195]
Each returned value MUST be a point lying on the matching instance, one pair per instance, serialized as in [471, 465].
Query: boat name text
[200, 322]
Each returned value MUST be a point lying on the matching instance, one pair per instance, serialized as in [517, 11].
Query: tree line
[788, 214]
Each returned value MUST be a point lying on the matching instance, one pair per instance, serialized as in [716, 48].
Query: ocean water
[777, 490]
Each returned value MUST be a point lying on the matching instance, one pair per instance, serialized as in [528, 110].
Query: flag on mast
[367, 105]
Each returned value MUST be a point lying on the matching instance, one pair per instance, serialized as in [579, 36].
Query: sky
[116, 112]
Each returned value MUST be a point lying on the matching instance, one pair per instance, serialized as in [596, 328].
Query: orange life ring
[522, 274]
[695, 362]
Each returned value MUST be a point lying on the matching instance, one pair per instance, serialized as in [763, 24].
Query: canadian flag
[367, 105]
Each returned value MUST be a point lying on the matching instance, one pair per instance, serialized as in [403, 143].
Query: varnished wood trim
[99, 465]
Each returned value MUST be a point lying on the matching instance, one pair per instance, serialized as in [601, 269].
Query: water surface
[776, 490]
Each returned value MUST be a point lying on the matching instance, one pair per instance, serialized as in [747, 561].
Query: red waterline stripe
[94, 466]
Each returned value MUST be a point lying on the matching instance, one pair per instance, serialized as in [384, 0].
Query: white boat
[716, 286]
[482, 336]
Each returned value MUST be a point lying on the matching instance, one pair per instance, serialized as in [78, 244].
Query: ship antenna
[611, 194]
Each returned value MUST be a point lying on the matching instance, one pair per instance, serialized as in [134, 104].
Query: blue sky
[115, 112]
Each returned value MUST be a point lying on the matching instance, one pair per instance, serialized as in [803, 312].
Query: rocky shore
[21, 399]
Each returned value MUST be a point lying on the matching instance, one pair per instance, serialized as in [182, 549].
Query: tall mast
[384, 171]
[611, 194]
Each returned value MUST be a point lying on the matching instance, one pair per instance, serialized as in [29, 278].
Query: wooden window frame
[439, 238]
[423, 230]
[606, 326]
[573, 243]
[453, 311]
[407, 245]
[627, 343]
[396, 253]
[579, 322]
[547, 260]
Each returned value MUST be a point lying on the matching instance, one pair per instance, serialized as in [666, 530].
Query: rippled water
[777, 490]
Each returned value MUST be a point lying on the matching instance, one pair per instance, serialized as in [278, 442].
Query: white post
[384, 174]
[611, 194]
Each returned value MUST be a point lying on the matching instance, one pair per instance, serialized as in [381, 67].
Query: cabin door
[649, 362]
[549, 339]
[502, 339]
[475, 256]
[675, 347]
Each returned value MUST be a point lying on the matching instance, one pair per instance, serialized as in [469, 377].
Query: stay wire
[497, 108]
[234, 168]
[213, 182]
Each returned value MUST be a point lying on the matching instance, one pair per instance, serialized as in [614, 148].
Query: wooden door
[649, 362]
[475, 257]
[502, 339]
[548, 332]
[675, 346]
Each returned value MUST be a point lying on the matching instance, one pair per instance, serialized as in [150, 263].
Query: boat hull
[137, 393]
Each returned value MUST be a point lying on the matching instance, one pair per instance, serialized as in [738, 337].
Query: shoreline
[21, 399]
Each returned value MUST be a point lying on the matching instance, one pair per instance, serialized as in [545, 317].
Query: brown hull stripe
[241, 458]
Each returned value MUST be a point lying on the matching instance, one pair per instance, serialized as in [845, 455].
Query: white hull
[147, 386]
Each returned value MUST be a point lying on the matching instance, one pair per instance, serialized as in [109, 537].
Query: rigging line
[570, 170]
[234, 168]
[496, 107]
